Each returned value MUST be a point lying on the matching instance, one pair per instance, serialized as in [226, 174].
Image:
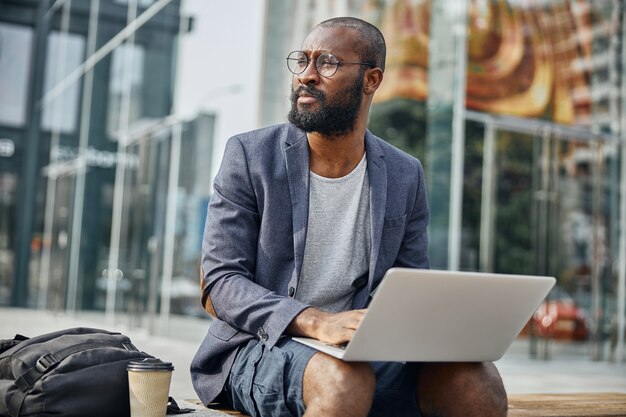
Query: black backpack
[77, 372]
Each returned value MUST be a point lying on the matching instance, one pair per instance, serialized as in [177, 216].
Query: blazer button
[292, 291]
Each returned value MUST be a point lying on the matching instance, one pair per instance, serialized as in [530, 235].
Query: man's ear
[373, 78]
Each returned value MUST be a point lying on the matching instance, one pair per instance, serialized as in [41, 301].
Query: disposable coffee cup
[148, 387]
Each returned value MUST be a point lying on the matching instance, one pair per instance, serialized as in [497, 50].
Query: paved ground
[569, 370]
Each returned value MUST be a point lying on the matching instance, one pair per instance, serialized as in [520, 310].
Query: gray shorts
[268, 383]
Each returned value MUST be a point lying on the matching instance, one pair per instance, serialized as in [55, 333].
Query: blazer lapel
[297, 162]
[377, 175]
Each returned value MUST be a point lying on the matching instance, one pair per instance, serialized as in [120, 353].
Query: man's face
[334, 115]
[329, 106]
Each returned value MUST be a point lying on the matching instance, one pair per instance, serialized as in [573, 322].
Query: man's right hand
[335, 328]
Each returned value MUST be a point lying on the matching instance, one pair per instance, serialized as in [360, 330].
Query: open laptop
[437, 316]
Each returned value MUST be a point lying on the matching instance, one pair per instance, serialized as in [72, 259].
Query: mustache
[306, 89]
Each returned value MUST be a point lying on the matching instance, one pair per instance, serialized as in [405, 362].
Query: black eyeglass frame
[336, 63]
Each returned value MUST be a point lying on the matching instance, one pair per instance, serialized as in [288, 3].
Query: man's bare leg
[461, 389]
[335, 388]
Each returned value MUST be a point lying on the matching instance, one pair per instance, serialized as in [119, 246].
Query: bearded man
[305, 220]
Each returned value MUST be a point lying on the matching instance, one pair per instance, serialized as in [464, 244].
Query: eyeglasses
[325, 64]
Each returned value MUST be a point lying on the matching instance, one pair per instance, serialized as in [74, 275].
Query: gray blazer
[255, 233]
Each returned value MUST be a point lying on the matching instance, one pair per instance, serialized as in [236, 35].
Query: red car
[559, 317]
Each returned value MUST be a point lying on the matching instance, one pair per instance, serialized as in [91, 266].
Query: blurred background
[114, 115]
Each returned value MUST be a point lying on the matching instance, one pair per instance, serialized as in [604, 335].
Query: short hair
[372, 48]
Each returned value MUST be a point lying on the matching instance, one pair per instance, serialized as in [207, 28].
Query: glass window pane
[126, 79]
[66, 52]
[15, 57]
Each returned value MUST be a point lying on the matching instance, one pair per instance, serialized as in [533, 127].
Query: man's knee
[335, 384]
[467, 389]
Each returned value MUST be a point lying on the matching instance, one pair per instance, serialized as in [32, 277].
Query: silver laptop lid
[430, 315]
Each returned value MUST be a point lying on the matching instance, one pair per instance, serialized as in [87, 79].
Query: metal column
[30, 167]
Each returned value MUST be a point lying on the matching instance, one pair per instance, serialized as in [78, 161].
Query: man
[305, 220]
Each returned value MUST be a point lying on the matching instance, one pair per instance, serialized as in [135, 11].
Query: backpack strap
[44, 364]
[174, 408]
[6, 344]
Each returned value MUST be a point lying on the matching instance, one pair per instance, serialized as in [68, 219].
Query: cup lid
[150, 364]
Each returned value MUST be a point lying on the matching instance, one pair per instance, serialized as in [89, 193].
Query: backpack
[78, 372]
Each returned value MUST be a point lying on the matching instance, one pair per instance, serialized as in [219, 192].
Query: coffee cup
[149, 386]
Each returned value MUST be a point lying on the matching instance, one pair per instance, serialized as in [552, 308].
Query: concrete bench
[520, 405]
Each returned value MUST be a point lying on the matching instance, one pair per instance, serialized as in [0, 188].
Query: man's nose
[310, 74]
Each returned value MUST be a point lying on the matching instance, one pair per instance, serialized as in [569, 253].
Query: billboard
[527, 59]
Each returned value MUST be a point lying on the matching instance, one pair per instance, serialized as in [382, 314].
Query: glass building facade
[516, 109]
[102, 205]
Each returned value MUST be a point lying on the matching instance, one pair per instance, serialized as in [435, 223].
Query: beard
[333, 118]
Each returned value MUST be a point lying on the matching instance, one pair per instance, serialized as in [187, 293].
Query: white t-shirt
[337, 249]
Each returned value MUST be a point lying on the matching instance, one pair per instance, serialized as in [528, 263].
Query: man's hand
[335, 328]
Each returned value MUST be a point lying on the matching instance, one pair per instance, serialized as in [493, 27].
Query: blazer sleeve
[229, 253]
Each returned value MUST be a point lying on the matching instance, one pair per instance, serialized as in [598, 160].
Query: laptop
[442, 316]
